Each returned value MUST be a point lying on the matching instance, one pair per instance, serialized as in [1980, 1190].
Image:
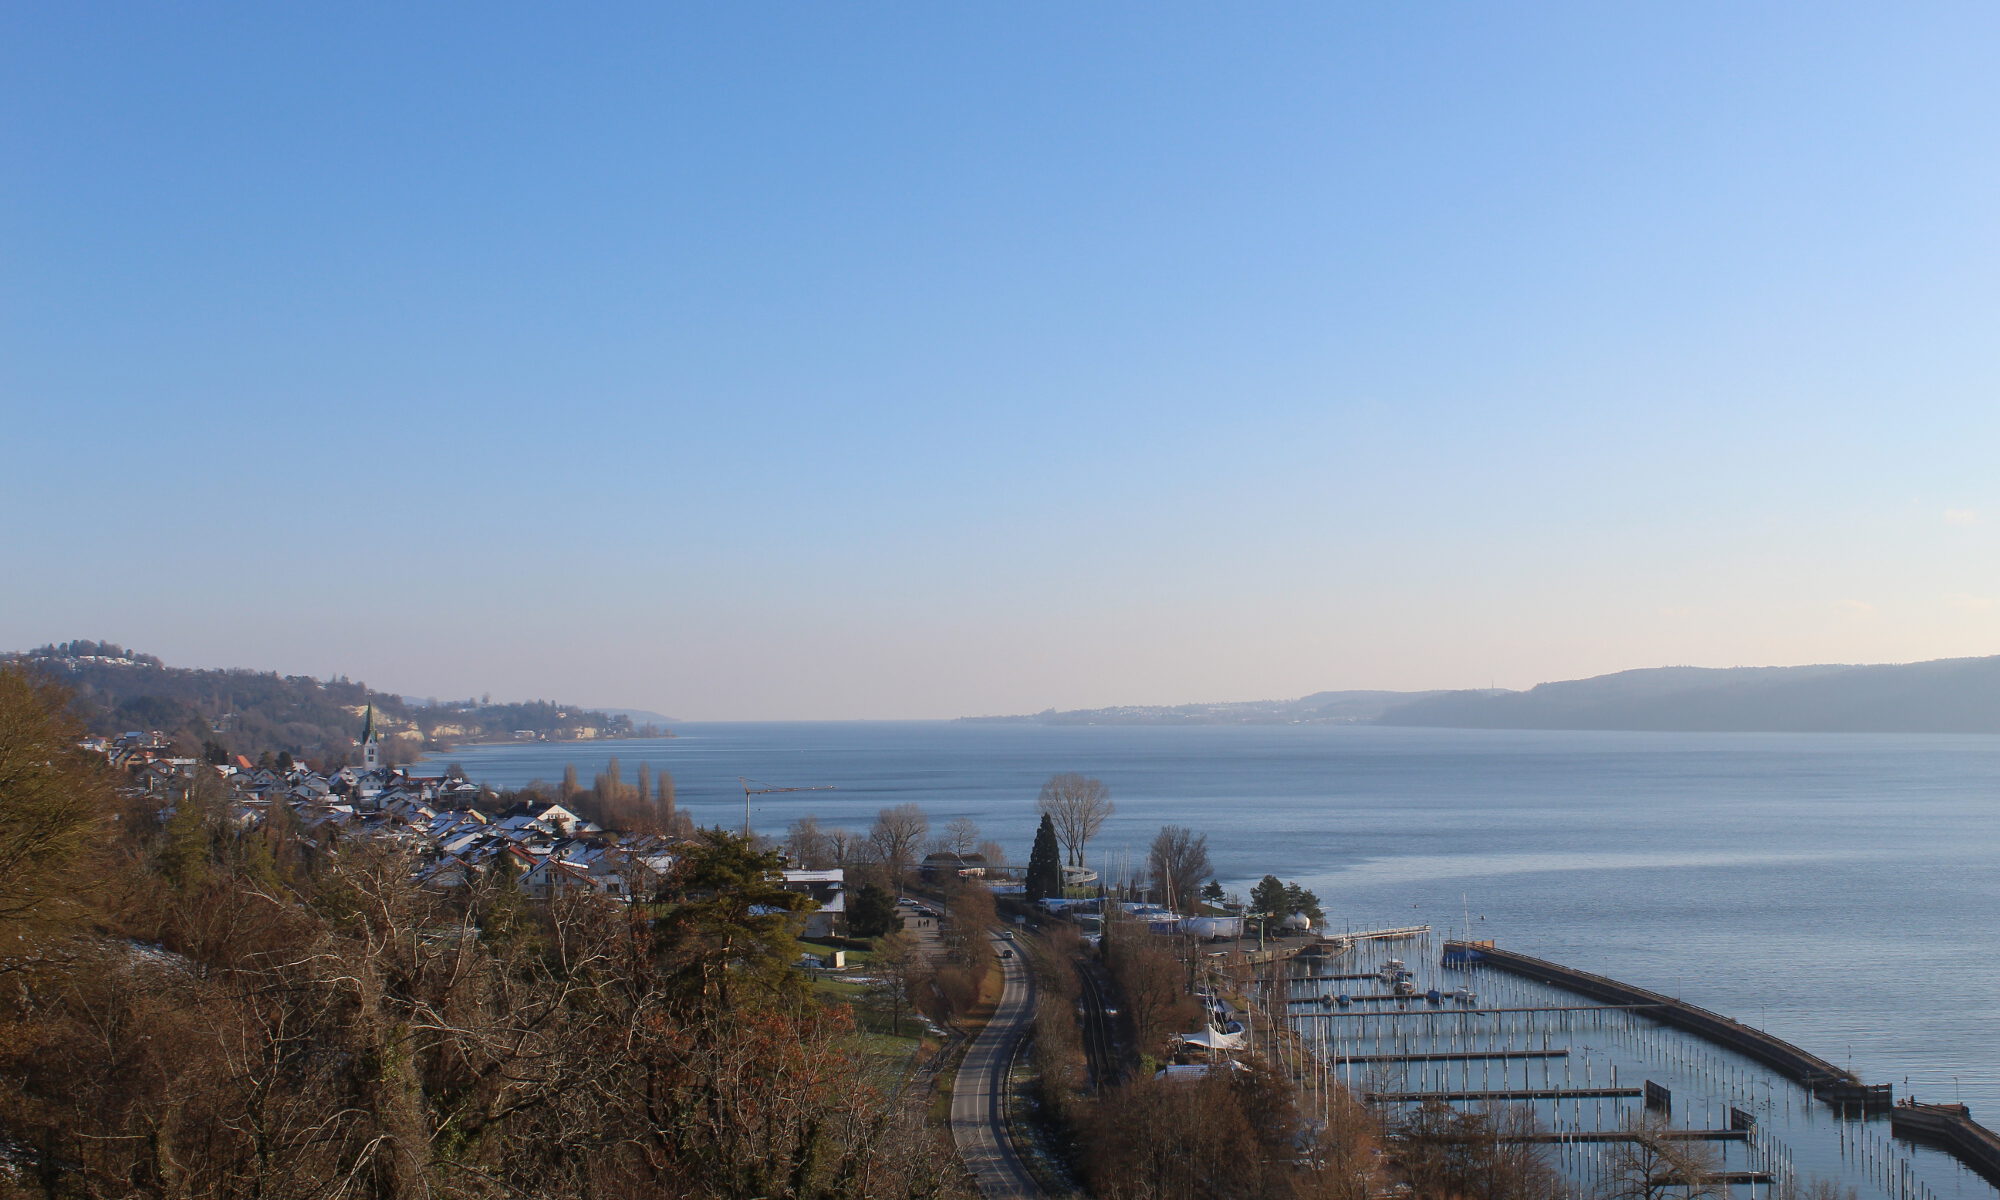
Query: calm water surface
[1837, 889]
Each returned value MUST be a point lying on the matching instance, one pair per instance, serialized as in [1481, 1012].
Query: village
[446, 823]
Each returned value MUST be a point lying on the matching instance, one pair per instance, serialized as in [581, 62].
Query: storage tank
[1213, 928]
[1298, 923]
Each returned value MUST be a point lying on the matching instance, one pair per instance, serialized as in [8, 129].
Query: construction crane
[760, 790]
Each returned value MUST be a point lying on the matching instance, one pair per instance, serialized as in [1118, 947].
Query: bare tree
[901, 966]
[1485, 1153]
[1079, 806]
[1652, 1165]
[1179, 862]
[53, 798]
[895, 837]
[1345, 1153]
[670, 818]
[960, 835]
[843, 847]
[1153, 983]
[994, 853]
[807, 843]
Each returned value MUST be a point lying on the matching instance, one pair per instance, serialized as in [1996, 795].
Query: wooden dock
[1370, 998]
[1432, 1010]
[1626, 1135]
[1379, 935]
[1449, 1056]
[1557, 1093]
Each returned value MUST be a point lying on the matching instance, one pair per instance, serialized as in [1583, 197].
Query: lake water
[1839, 890]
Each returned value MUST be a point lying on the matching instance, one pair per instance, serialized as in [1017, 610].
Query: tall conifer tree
[1044, 863]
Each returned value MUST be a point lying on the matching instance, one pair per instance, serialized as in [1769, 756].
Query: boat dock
[1626, 1135]
[1448, 1056]
[1432, 1010]
[1557, 1093]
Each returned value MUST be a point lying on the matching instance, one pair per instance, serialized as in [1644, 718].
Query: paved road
[979, 1099]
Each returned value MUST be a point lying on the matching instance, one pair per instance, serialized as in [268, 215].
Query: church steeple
[371, 749]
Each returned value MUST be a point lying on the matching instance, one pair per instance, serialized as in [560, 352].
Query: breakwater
[1835, 1085]
[1950, 1127]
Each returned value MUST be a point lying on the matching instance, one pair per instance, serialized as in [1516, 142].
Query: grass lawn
[875, 1024]
[854, 957]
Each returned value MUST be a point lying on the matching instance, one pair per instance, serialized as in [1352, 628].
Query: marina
[1594, 1061]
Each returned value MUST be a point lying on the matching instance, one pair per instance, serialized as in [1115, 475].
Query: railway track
[1100, 1037]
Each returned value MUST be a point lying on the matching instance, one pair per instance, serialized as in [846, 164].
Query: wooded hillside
[250, 712]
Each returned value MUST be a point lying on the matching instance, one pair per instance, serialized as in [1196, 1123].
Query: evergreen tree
[1044, 863]
[1268, 897]
[873, 912]
[726, 932]
[1299, 900]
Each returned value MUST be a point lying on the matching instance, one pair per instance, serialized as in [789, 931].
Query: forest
[194, 1008]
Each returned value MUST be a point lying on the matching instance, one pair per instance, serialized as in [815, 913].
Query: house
[448, 872]
[946, 863]
[829, 890]
[559, 819]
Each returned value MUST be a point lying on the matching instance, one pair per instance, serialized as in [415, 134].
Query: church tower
[371, 747]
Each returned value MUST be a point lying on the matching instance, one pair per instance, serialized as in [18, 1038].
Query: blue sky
[842, 361]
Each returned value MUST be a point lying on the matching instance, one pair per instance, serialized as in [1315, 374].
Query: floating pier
[1431, 1010]
[1377, 998]
[1334, 943]
[1626, 1135]
[1448, 1056]
[1554, 1093]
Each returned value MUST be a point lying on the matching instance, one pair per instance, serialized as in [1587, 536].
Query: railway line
[1100, 1034]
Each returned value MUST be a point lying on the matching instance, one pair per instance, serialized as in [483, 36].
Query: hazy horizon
[935, 362]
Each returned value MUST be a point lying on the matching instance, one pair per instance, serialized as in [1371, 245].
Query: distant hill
[1354, 707]
[257, 712]
[1953, 695]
